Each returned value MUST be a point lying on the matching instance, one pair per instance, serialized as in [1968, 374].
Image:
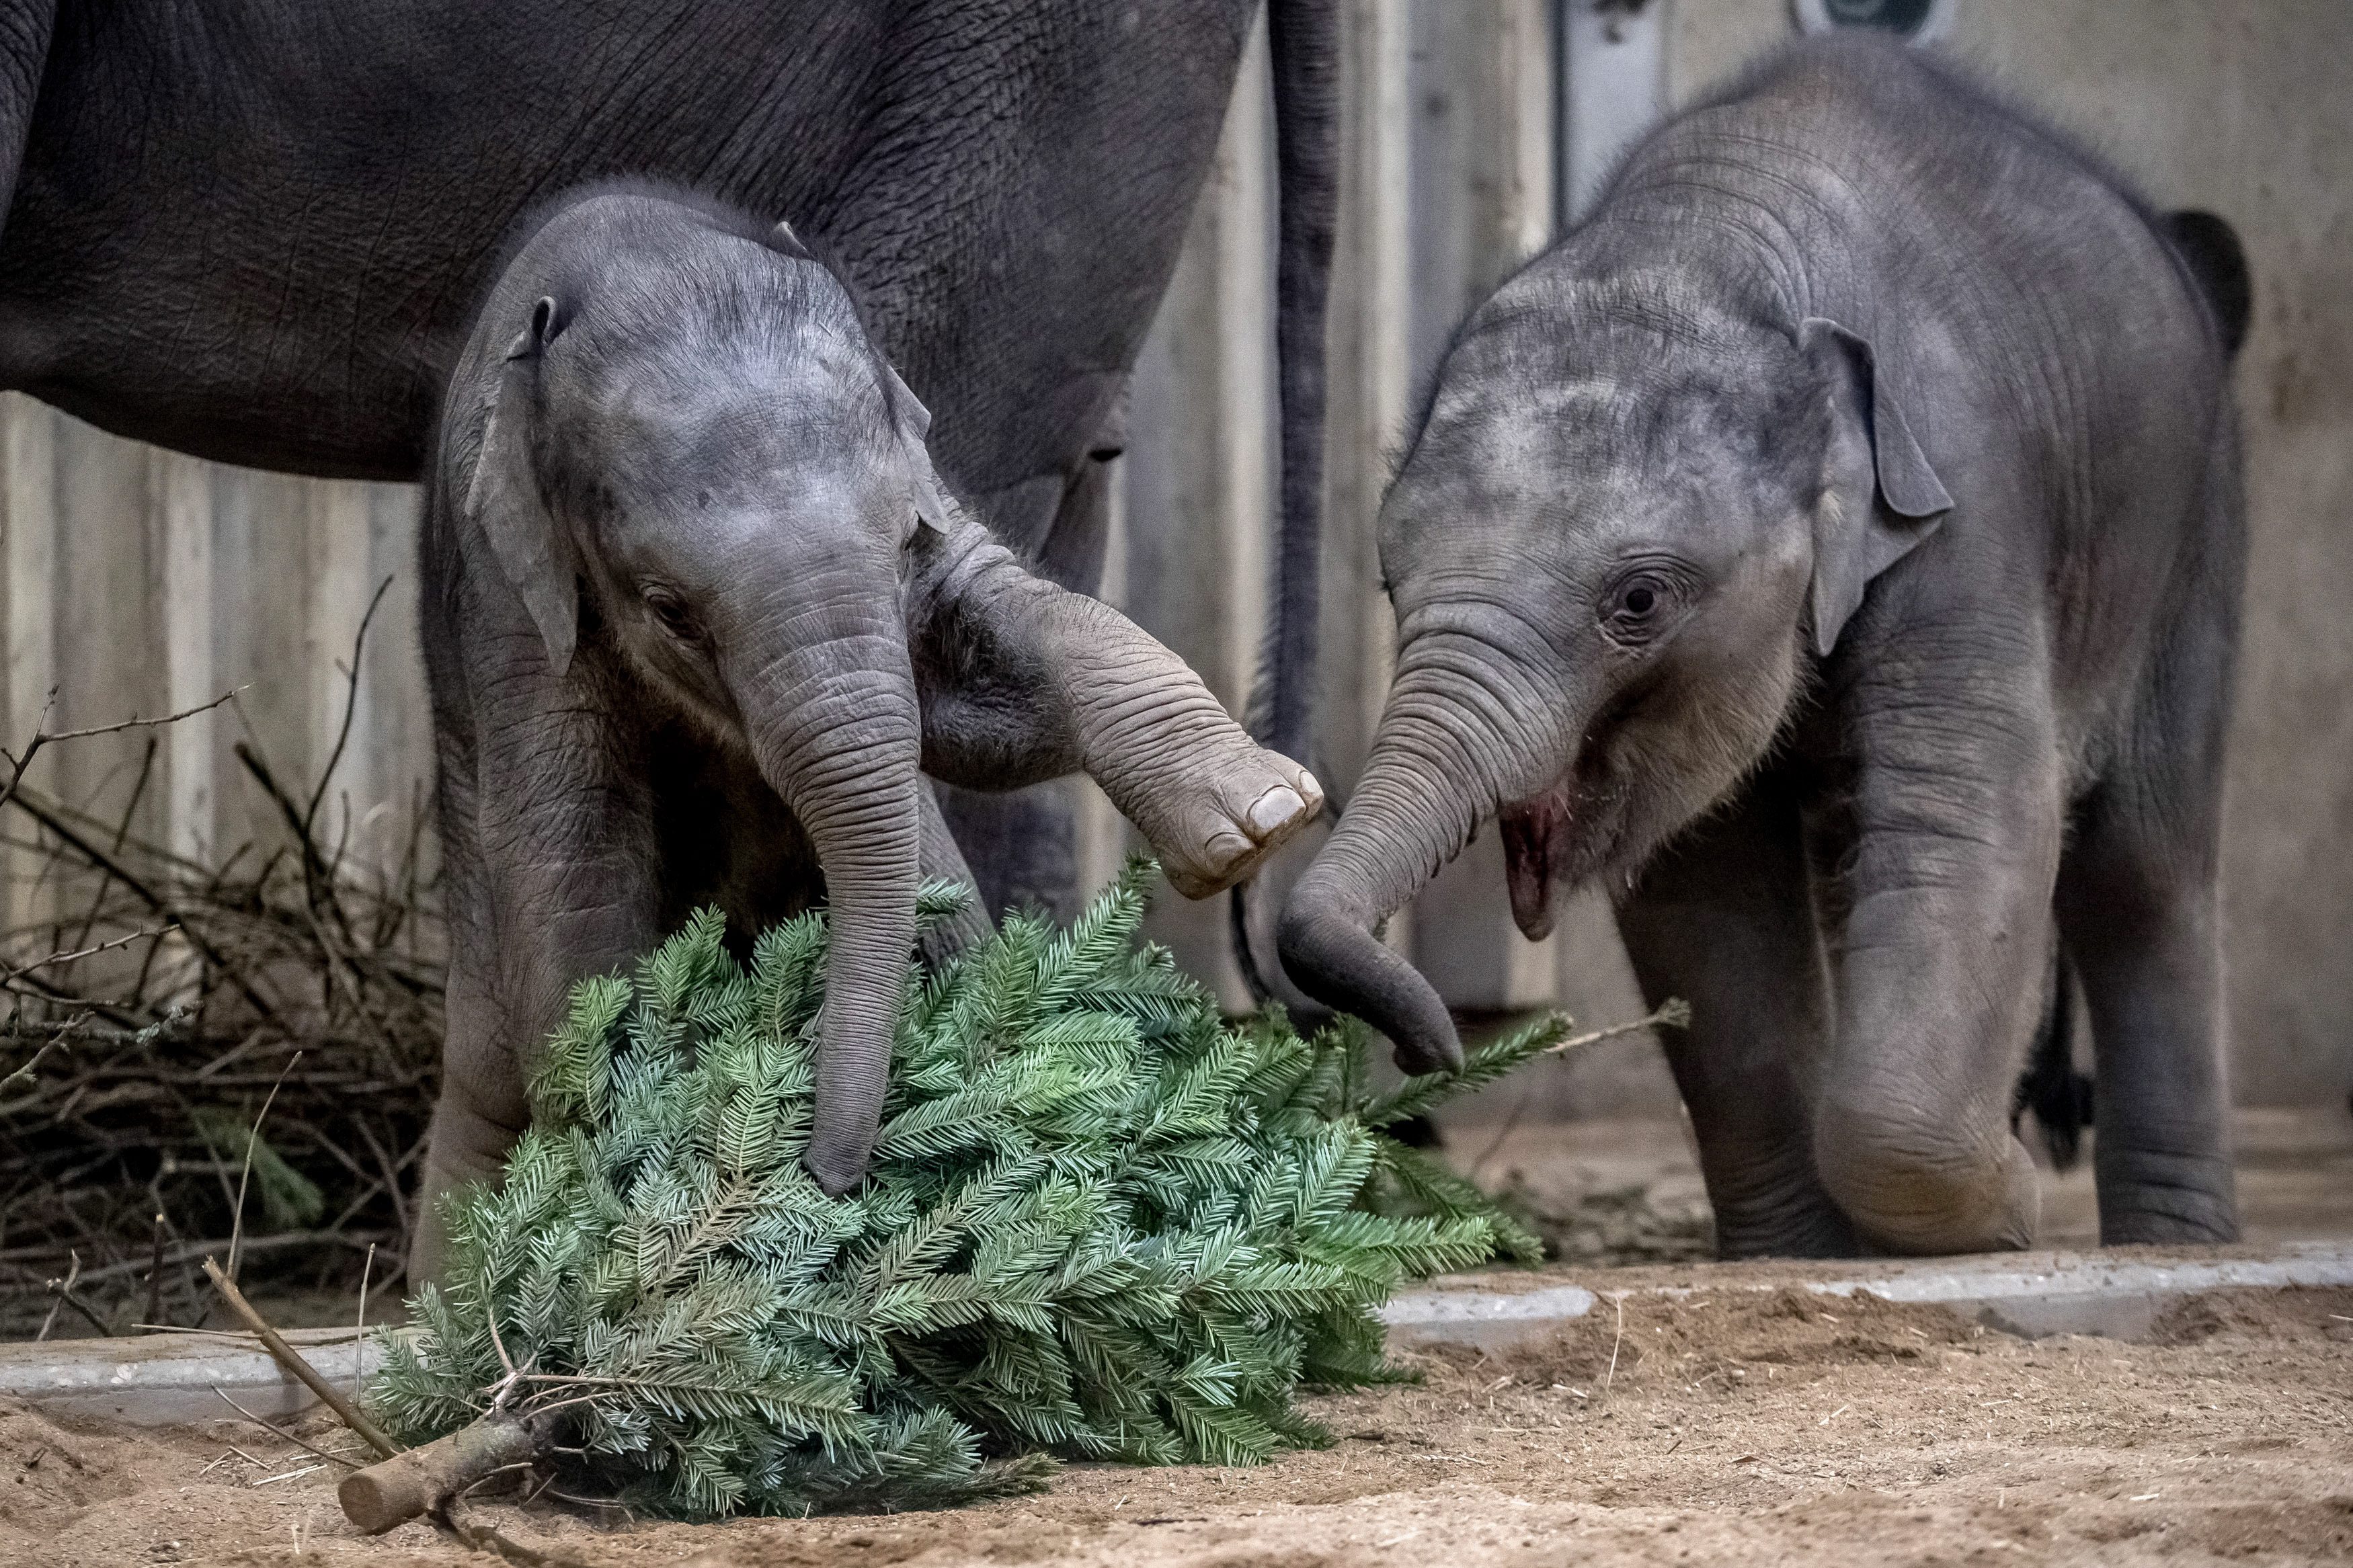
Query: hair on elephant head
[690, 452]
[1633, 511]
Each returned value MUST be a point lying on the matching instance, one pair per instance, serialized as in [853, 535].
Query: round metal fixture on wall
[1914, 21]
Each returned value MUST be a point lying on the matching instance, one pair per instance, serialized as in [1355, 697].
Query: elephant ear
[504, 498]
[914, 423]
[1881, 498]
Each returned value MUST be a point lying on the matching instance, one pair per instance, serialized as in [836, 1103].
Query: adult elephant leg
[1946, 933]
[1021, 845]
[943, 860]
[1723, 918]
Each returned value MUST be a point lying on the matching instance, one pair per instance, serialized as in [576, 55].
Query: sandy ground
[1763, 1426]
[1741, 1424]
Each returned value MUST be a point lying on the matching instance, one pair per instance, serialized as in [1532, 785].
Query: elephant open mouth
[1535, 852]
[1561, 837]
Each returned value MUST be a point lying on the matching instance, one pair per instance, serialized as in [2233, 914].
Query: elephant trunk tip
[835, 1170]
[1339, 962]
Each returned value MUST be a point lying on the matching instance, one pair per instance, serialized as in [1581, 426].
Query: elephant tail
[1304, 48]
[2060, 1097]
[2210, 248]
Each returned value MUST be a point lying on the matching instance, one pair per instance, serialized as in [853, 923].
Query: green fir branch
[1100, 1222]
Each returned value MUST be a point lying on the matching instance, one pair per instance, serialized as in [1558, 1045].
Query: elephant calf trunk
[1446, 746]
[839, 739]
[1331, 953]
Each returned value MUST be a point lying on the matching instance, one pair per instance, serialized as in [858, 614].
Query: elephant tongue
[1534, 841]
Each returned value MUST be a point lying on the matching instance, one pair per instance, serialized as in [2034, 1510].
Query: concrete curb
[2031, 1295]
[168, 1379]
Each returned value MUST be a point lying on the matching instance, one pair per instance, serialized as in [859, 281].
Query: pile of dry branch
[155, 1009]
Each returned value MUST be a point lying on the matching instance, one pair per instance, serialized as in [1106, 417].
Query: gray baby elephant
[1834, 547]
[699, 613]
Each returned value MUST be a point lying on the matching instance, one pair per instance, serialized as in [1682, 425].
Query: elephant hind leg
[1722, 916]
[2141, 913]
[2138, 903]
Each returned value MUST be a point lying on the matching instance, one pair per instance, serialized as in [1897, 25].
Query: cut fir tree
[1100, 1222]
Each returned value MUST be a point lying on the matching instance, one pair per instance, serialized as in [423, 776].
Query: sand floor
[1741, 1424]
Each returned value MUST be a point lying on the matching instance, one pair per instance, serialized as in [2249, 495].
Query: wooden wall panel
[141, 582]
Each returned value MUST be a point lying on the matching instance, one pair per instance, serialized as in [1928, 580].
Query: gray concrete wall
[2246, 107]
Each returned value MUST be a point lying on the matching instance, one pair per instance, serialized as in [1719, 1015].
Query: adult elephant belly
[252, 230]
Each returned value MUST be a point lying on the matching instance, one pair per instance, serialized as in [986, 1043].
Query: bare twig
[25, 1073]
[64, 1290]
[122, 832]
[107, 946]
[280, 1432]
[288, 1475]
[359, 1329]
[1511, 1124]
[292, 1359]
[155, 1274]
[1674, 1013]
[79, 843]
[253, 1136]
[48, 737]
[483, 1536]
[44, 736]
[351, 707]
[192, 1251]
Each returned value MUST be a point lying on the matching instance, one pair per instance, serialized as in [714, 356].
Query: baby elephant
[697, 611]
[1834, 546]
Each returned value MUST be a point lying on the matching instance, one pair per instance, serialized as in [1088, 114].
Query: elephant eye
[676, 617]
[1636, 607]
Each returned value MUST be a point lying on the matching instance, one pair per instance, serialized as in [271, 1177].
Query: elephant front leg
[1024, 681]
[1721, 917]
[551, 879]
[1940, 954]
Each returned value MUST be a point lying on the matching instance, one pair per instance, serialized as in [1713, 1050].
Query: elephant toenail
[1311, 789]
[1226, 847]
[1276, 807]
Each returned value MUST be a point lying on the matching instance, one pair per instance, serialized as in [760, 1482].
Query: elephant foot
[1821, 1230]
[2165, 1199]
[1225, 814]
[2143, 1227]
[1913, 1189]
